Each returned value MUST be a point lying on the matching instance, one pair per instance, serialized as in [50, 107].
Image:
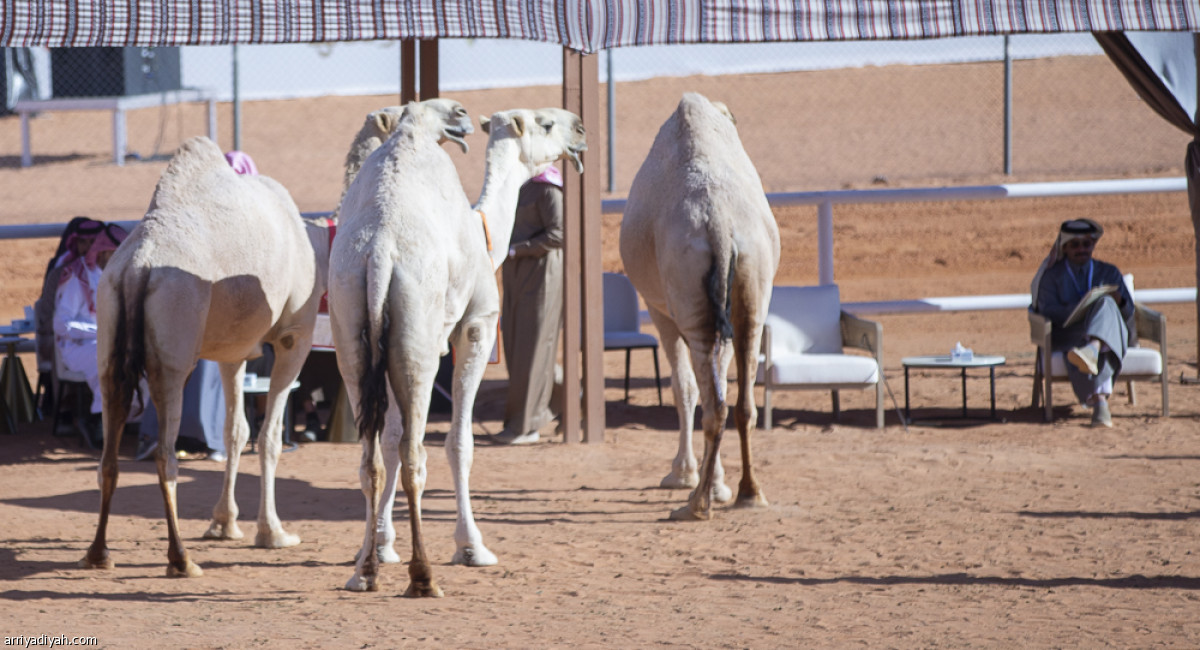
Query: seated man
[75, 318]
[73, 245]
[1095, 341]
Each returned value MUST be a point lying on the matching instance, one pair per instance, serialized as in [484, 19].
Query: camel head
[454, 119]
[376, 129]
[546, 134]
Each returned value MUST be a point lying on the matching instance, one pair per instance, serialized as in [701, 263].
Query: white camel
[254, 211]
[200, 277]
[410, 272]
[701, 246]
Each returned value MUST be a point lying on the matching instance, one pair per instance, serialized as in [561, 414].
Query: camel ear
[485, 124]
[384, 121]
[518, 123]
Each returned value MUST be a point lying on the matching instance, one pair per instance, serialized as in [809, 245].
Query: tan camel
[701, 246]
[200, 277]
[410, 272]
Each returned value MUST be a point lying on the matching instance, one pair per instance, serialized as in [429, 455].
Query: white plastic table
[989, 361]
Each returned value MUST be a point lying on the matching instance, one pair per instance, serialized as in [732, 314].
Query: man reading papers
[1091, 310]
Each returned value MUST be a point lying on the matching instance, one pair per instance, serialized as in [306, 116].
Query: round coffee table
[944, 361]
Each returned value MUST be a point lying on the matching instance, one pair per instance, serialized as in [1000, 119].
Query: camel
[411, 271]
[267, 208]
[700, 244]
[375, 130]
[192, 281]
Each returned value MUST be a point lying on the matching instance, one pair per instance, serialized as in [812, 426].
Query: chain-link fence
[830, 115]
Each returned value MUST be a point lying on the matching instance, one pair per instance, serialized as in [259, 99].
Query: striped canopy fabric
[583, 25]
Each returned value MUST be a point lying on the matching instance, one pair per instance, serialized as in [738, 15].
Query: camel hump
[195, 157]
[196, 150]
[694, 107]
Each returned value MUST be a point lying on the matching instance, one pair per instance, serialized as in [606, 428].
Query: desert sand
[973, 533]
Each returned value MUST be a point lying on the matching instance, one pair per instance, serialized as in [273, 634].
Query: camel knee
[746, 415]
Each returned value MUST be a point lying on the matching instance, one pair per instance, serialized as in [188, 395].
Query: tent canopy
[582, 25]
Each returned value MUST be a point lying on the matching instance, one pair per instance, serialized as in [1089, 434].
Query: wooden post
[408, 71]
[428, 64]
[429, 69]
[583, 301]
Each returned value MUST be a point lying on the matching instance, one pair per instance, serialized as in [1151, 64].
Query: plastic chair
[1139, 364]
[622, 325]
[803, 345]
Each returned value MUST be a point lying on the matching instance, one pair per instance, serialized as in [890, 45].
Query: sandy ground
[971, 534]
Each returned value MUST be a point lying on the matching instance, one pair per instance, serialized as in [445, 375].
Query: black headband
[1082, 227]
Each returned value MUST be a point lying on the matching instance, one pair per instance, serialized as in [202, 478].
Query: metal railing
[825, 201]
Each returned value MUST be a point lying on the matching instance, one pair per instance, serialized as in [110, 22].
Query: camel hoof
[189, 570]
[677, 481]
[227, 531]
[104, 562]
[386, 554]
[423, 590]
[474, 556]
[276, 539]
[721, 493]
[687, 514]
[756, 500]
[360, 583]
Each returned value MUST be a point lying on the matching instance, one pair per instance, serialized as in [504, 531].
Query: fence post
[1008, 105]
[237, 103]
[825, 242]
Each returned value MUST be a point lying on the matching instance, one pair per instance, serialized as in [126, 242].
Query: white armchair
[804, 343]
[1140, 363]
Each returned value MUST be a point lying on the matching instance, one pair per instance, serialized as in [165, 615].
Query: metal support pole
[612, 124]
[825, 242]
[1008, 104]
[237, 102]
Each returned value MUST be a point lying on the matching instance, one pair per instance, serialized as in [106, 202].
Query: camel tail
[720, 289]
[373, 385]
[128, 362]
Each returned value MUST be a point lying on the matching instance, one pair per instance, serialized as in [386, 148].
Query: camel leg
[348, 326]
[684, 470]
[714, 367]
[169, 398]
[413, 398]
[370, 474]
[385, 528]
[747, 340]
[115, 413]
[225, 513]
[472, 348]
[288, 361]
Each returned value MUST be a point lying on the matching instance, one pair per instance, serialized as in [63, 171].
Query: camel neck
[504, 175]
